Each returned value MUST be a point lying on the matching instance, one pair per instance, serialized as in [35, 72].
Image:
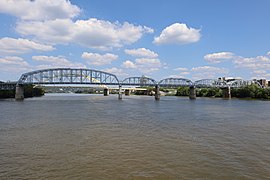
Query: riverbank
[247, 92]
[29, 91]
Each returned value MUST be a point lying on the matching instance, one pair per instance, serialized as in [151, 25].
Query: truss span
[208, 83]
[175, 82]
[139, 81]
[68, 76]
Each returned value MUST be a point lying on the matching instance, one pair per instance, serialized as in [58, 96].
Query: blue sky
[178, 38]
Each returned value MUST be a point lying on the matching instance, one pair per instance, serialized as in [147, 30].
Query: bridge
[104, 79]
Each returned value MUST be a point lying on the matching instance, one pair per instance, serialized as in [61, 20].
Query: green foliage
[30, 91]
[182, 91]
[250, 91]
[7, 94]
[209, 92]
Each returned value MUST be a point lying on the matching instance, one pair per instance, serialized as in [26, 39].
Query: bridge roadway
[75, 76]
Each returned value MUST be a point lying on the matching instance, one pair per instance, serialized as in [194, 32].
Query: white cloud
[176, 76]
[147, 65]
[55, 61]
[18, 46]
[141, 52]
[268, 54]
[181, 69]
[185, 73]
[92, 33]
[253, 63]
[144, 65]
[178, 34]
[205, 72]
[13, 64]
[219, 57]
[116, 71]
[129, 65]
[99, 59]
[39, 9]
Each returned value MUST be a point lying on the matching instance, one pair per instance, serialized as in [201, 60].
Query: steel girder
[7, 86]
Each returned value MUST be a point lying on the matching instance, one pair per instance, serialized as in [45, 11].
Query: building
[263, 82]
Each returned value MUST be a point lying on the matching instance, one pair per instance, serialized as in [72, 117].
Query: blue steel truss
[175, 82]
[68, 76]
[139, 81]
[207, 83]
[96, 77]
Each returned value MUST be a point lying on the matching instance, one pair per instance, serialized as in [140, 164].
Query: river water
[96, 137]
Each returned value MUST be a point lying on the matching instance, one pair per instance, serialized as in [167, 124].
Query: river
[63, 136]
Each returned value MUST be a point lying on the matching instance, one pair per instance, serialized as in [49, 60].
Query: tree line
[249, 91]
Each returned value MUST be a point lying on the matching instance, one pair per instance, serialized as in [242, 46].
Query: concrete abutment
[19, 92]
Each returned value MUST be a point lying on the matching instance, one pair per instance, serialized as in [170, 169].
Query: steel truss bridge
[101, 78]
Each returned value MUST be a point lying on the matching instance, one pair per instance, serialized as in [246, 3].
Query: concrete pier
[127, 92]
[192, 92]
[106, 92]
[157, 93]
[226, 92]
[120, 92]
[19, 93]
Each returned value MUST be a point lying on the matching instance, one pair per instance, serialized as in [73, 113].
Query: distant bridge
[104, 79]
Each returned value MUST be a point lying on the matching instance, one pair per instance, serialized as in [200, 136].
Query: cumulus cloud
[13, 64]
[181, 69]
[253, 63]
[99, 59]
[18, 46]
[176, 76]
[55, 61]
[39, 9]
[92, 33]
[219, 57]
[116, 71]
[178, 34]
[205, 72]
[144, 65]
[141, 52]
[129, 65]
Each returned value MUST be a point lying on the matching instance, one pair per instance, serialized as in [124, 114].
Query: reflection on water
[92, 136]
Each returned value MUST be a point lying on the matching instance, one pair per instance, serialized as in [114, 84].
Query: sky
[190, 39]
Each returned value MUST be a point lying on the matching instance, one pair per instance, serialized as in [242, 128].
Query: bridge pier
[157, 93]
[192, 92]
[106, 92]
[127, 92]
[19, 93]
[226, 92]
[120, 92]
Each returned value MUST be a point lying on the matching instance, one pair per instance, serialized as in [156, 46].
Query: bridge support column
[19, 93]
[106, 92]
[127, 92]
[120, 92]
[157, 93]
[226, 92]
[192, 92]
